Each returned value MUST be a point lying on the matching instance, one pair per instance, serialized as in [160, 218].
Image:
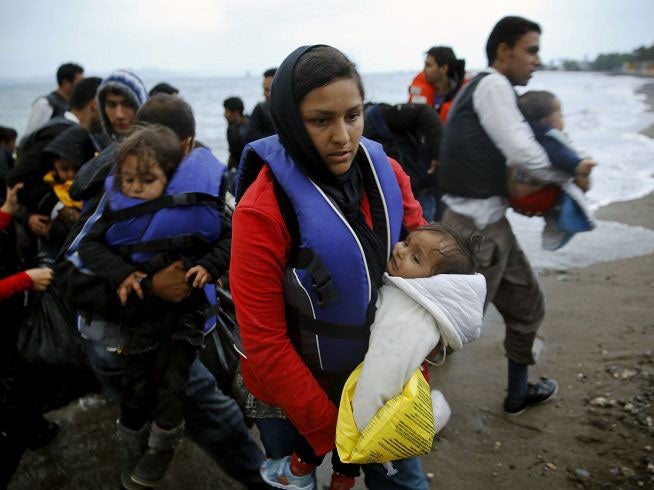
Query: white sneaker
[441, 408]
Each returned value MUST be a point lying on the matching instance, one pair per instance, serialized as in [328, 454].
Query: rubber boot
[132, 444]
[153, 465]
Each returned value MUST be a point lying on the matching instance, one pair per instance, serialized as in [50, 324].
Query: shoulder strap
[169, 201]
[288, 214]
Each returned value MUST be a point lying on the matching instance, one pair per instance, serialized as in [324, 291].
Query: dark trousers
[154, 383]
[213, 420]
[511, 284]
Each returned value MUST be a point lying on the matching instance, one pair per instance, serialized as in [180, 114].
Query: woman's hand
[41, 278]
[129, 284]
[11, 205]
[202, 276]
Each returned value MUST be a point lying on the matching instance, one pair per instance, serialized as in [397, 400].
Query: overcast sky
[232, 38]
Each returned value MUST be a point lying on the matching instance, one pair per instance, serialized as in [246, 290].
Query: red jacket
[422, 92]
[16, 283]
[273, 371]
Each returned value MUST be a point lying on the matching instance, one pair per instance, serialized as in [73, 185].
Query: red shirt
[274, 372]
[16, 283]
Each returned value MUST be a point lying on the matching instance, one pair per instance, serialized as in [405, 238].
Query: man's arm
[496, 105]
[40, 114]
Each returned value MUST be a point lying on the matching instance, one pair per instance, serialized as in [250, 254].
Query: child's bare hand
[41, 278]
[585, 167]
[202, 276]
[129, 284]
[433, 166]
[583, 182]
[11, 205]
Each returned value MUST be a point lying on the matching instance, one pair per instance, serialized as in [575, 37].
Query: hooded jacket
[413, 315]
[128, 84]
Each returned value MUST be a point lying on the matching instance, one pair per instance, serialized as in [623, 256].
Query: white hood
[456, 301]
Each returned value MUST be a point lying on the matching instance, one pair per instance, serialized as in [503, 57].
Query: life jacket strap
[332, 330]
[163, 202]
[321, 278]
[164, 244]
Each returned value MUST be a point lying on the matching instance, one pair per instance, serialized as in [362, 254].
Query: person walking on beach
[486, 131]
[411, 134]
[261, 124]
[33, 164]
[22, 424]
[237, 126]
[439, 82]
[56, 102]
[304, 313]
[212, 419]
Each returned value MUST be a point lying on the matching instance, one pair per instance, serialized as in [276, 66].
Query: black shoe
[538, 393]
[152, 467]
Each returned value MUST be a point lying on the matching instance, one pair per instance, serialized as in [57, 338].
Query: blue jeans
[428, 203]
[213, 420]
[278, 436]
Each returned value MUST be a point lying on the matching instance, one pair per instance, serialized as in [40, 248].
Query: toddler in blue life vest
[556, 192]
[125, 247]
[431, 299]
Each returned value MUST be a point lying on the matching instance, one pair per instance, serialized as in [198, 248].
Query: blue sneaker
[277, 473]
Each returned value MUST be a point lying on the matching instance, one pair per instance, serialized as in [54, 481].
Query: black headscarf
[345, 189]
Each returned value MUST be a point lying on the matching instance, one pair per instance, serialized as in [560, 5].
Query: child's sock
[517, 381]
[299, 467]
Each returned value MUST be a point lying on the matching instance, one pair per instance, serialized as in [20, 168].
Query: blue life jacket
[328, 289]
[185, 216]
[183, 221]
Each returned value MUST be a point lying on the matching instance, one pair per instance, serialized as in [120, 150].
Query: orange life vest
[422, 92]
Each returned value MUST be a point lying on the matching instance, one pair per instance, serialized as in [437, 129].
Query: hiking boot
[152, 466]
[538, 393]
[277, 473]
[131, 446]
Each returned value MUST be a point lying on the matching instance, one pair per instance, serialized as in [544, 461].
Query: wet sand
[598, 339]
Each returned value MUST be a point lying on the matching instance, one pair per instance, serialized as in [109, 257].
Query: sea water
[603, 116]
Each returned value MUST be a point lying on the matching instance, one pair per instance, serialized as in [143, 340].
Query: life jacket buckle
[325, 290]
[182, 199]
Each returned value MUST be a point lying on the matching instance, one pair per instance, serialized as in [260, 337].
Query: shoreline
[648, 90]
[636, 211]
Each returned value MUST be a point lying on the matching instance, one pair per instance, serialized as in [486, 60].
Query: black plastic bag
[222, 345]
[49, 333]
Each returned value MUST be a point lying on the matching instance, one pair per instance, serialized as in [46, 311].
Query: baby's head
[433, 249]
[146, 161]
[541, 106]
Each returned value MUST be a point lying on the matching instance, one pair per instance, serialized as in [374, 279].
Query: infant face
[417, 256]
[555, 119]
